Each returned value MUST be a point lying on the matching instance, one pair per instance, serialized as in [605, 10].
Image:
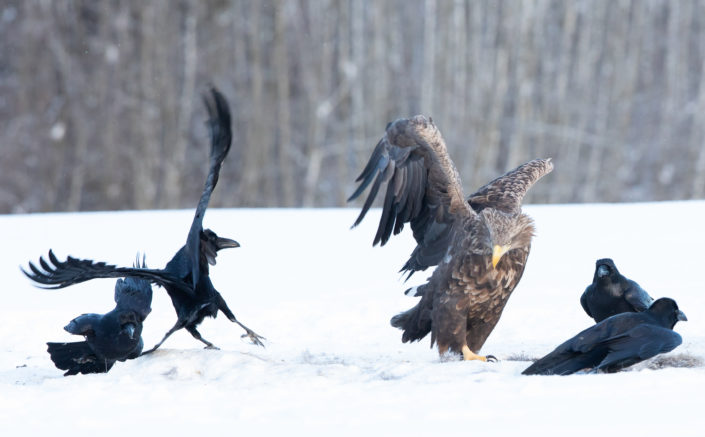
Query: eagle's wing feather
[506, 192]
[423, 189]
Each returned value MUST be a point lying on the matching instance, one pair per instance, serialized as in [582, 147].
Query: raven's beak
[497, 253]
[130, 329]
[602, 271]
[681, 316]
[225, 243]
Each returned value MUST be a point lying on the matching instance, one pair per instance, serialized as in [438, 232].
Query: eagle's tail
[415, 322]
[77, 357]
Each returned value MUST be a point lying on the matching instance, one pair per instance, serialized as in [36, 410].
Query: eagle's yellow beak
[497, 254]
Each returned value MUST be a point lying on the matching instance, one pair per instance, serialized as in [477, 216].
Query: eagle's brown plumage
[480, 244]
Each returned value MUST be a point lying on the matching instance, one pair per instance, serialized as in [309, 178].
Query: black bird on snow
[186, 277]
[110, 337]
[616, 342]
[611, 293]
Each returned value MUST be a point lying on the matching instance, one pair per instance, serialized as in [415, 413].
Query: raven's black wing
[84, 324]
[55, 274]
[586, 349]
[221, 138]
[637, 297]
[638, 344]
[584, 300]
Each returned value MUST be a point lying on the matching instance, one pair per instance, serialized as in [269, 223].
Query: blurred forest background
[100, 102]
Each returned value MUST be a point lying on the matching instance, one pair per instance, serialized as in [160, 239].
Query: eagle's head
[499, 233]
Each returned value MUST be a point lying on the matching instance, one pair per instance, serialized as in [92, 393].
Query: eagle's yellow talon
[469, 355]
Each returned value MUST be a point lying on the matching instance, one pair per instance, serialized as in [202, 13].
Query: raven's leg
[197, 336]
[179, 324]
[254, 337]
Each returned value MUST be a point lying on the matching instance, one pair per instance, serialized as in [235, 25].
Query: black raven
[611, 293]
[616, 343]
[186, 276]
[110, 337]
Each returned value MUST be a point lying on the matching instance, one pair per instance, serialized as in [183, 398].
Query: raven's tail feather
[559, 364]
[77, 357]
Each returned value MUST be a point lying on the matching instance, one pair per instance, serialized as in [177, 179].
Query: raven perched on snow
[616, 343]
[186, 276]
[611, 293]
[115, 336]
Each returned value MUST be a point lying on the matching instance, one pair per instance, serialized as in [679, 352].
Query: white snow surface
[323, 296]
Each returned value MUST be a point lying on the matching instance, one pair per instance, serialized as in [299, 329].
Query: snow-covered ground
[322, 296]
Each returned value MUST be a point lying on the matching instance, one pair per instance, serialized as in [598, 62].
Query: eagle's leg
[469, 355]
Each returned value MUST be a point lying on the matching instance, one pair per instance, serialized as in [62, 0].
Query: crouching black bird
[611, 293]
[616, 343]
[114, 336]
[186, 277]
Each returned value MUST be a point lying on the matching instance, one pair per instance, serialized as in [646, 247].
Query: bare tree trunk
[625, 84]
[69, 77]
[524, 87]
[318, 87]
[281, 65]
[176, 158]
[429, 55]
[487, 161]
[601, 114]
[357, 118]
[146, 118]
[698, 184]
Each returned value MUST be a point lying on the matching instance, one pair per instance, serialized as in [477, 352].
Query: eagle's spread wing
[55, 274]
[423, 188]
[466, 294]
[506, 192]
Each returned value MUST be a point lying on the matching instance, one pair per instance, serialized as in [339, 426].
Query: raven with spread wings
[186, 276]
[479, 244]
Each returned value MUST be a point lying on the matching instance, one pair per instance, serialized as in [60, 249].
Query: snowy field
[323, 297]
